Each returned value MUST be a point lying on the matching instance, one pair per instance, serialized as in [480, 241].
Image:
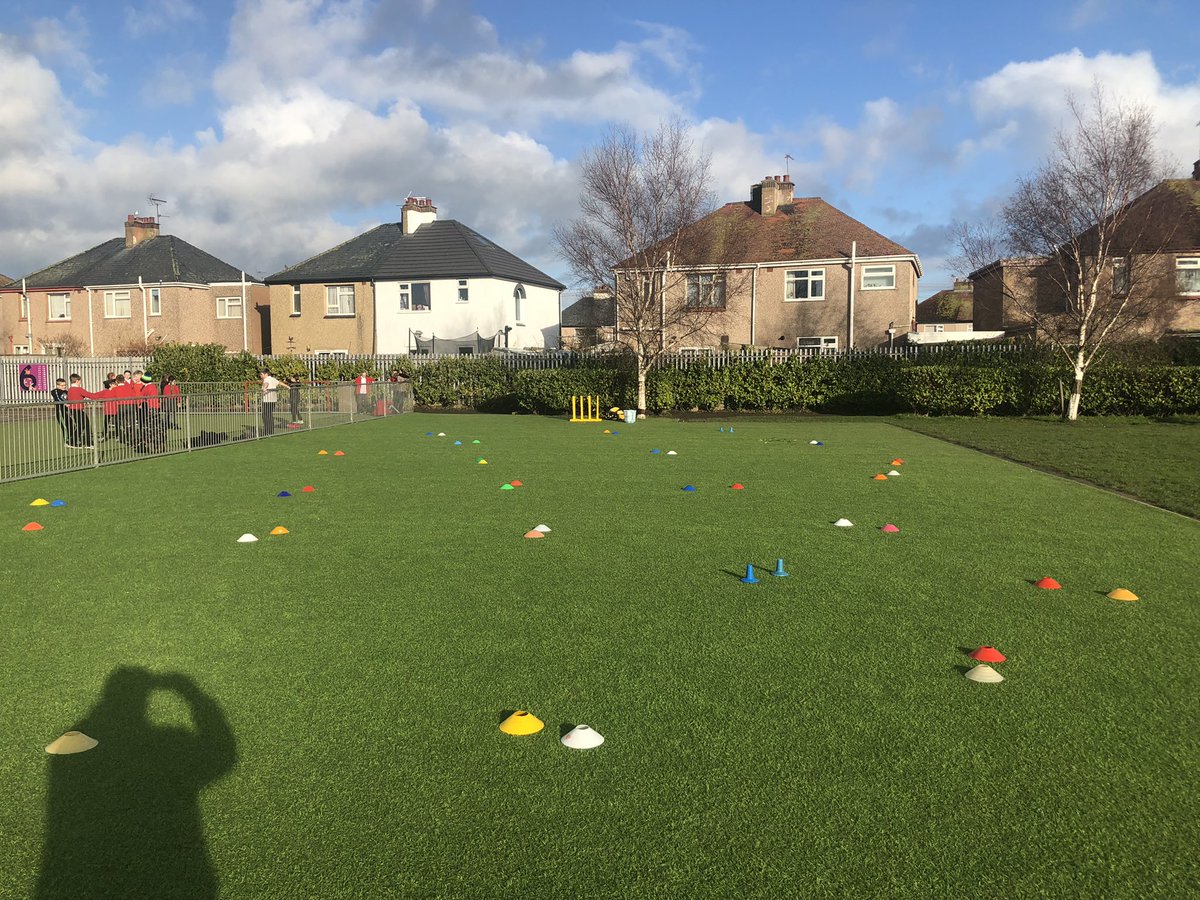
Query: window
[60, 306]
[878, 278]
[295, 300]
[116, 304]
[414, 297]
[462, 290]
[1187, 274]
[24, 308]
[818, 344]
[938, 329]
[466, 351]
[229, 307]
[155, 302]
[1120, 276]
[706, 291]
[339, 300]
[518, 296]
[323, 355]
[804, 284]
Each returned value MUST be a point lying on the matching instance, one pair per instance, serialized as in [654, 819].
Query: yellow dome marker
[40, 501]
[1121, 594]
[279, 529]
[71, 742]
[522, 722]
[322, 453]
[483, 462]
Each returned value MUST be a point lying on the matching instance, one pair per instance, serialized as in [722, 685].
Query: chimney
[138, 229]
[1196, 170]
[416, 212]
[774, 191]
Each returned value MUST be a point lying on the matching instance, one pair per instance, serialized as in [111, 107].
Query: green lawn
[315, 715]
[1156, 460]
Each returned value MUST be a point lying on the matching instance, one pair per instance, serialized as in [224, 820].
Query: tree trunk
[641, 397]
[1076, 389]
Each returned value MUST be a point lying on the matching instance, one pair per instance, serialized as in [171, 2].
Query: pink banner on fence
[34, 377]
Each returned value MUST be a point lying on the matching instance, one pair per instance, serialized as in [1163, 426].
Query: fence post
[187, 422]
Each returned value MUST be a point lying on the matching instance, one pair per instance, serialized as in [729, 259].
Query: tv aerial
[157, 206]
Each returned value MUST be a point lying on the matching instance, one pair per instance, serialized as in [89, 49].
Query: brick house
[590, 321]
[413, 285]
[129, 293]
[807, 276]
[1156, 256]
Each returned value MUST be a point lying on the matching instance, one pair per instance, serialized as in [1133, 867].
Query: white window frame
[828, 343]
[24, 309]
[811, 278]
[937, 329]
[406, 293]
[518, 297]
[339, 301]
[464, 290]
[323, 355]
[111, 298]
[1191, 266]
[886, 271]
[154, 302]
[295, 300]
[1120, 282]
[65, 298]
[223, 305]
[702, 288]
[22, 349]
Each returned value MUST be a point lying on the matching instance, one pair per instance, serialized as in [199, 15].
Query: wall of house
[778, 322]
[188, 314]
[489, 308]
[313, 331]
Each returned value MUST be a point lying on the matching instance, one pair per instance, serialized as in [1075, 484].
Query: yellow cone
[322, 453]
[483, 462]
[1122, 594]
[40, 501]
[71, 742]
[279, 529]
[522, 722]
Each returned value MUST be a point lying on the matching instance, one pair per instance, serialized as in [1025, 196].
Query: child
[78, 426]
[59, 396]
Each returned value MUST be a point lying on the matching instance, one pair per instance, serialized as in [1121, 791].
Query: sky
[276, 129]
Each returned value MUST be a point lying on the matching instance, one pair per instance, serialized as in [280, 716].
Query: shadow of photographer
[123, 819]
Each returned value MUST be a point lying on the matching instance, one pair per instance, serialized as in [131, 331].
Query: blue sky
[277, 128]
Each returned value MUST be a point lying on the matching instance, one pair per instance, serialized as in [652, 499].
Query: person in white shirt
[270, 394]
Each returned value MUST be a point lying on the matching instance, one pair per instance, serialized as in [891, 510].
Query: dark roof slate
[441, 249]
[161, 258]
[591, 312]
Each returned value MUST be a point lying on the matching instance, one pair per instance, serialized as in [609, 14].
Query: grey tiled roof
[442, 249]
[590, 312]
[161, 258]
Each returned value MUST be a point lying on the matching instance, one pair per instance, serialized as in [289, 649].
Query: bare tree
[1085, 256]
[643, 228]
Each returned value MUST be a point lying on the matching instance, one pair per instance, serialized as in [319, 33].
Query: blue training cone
[779, 572]
[749, 579]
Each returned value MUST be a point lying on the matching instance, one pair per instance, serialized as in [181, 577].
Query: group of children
[136, 410]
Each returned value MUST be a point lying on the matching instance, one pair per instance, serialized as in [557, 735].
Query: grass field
[315, 715]
[1156, 460]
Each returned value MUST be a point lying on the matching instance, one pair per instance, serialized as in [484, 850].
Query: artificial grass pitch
[317, 715]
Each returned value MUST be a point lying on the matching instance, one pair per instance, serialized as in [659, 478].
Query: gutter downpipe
[91, 331]
[145, 322]
[29, 318]
[753, 296]
[245, 344]
[850, 323]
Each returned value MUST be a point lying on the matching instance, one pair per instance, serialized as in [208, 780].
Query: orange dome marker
[339, 453]
[279, 529]
[881, 478]
[737, 486]
[988, 655]
[32, 526]
[1122, 594]
[515, 483]
[897, 462]
[1047, 583]
[534, 534]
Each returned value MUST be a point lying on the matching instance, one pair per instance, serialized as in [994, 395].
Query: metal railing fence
[45, 369]
[48, 438]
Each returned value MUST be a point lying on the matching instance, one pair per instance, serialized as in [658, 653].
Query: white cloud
[156, 16]
[62, 44]
[1089, 12]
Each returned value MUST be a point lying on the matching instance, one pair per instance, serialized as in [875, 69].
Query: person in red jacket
[78, 426]
[152, 426]
[120, 397]
[361, 391]
[170, 403]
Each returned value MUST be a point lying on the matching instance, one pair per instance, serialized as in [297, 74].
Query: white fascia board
[795, 264]
[149, 284]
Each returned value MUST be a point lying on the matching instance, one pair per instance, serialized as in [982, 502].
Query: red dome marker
[1048, 584]
[988, 655]
[515, 483]
[32, 526]
[889, 528]
[737, 486]
[339, 453]
[308, 489]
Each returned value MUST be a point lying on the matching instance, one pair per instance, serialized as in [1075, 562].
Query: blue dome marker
[283, 494]
[689, 488]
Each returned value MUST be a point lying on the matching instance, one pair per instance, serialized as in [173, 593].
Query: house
[414, 285]
[590, 321]
[4, 279]
[807, 275]
[948, 316]
[1156, 257]
[127, 294]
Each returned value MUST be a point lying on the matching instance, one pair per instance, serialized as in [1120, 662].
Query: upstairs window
[804, 284]
[518, 300]
[339, 300]
[1187, 274]
[116, 304]
[295, 300]
[155, 302]
[229, 307]
[1120, 276]
[462, 290]
[60, 306]
[24, 307]
[414, 297]
[878, 278]
[706, 291]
